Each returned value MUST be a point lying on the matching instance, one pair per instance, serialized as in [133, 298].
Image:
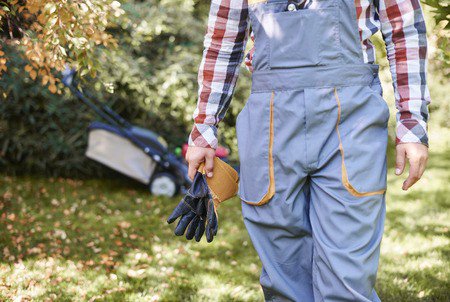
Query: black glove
[192, 211]
[197, 210]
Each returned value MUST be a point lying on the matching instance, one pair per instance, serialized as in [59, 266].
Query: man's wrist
[405, 143]
[203, 135]
[411, 131]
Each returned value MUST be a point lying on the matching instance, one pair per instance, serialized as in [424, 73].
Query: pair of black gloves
[196, 211]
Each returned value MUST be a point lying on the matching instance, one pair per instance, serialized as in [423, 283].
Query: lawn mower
[136, 152]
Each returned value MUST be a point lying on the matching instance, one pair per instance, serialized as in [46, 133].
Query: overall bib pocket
[254, 130]
[306, 37]
[361, 129]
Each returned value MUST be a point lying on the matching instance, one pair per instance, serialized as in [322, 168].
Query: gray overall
[312, 141]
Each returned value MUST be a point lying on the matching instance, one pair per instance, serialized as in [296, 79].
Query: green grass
[71, 240]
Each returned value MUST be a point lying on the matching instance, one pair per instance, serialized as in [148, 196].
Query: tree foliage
[441, 15]
[51, 33]
[150, 78]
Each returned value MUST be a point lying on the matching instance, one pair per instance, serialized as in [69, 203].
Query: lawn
[107, 240]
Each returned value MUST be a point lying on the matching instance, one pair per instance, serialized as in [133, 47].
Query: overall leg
[278, 223]
[281, 236]
[348, 195]
[346, 245]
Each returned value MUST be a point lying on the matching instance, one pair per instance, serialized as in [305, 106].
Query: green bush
[40, 131]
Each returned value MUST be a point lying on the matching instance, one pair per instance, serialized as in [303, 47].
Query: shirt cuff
[203, 135]
[412, 131]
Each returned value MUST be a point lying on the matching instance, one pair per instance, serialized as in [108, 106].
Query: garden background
[72, 230]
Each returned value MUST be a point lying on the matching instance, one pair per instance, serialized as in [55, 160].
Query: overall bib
[312, 141]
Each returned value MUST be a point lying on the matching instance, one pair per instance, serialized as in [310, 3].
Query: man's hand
[417, 155]
[196, 155]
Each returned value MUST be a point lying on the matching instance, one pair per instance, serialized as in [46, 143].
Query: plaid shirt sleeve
[224, 46]
[403, 29]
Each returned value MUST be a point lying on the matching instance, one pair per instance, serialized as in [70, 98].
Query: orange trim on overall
[345, 180]
[271, 189]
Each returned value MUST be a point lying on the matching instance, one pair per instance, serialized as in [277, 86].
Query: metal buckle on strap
[294, 5]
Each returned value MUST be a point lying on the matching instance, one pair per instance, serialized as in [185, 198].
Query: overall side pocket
[255, 135]
[361, 129]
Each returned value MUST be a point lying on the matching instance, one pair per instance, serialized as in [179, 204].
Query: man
[312, 137]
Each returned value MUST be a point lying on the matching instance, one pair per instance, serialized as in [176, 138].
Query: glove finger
[192, 228]
[180, 209]
[183, 223]
[209, 234]
[212, 224]
[200, 230]
[215, 224]
[201, 208]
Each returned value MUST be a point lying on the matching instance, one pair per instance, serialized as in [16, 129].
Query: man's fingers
[414, 175]
[400, 161]
[423, 165]
[417, 155]
[197, 155]
[192, 169]
[209, 164]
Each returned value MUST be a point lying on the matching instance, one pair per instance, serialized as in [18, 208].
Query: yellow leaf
[52, 88]
[42, 18]
[33, 74]
[65, 17]
[28, 68]
[33, 8]
[45, 80]
[2, 53]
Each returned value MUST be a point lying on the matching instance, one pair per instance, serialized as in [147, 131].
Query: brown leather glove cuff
[224, 183]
